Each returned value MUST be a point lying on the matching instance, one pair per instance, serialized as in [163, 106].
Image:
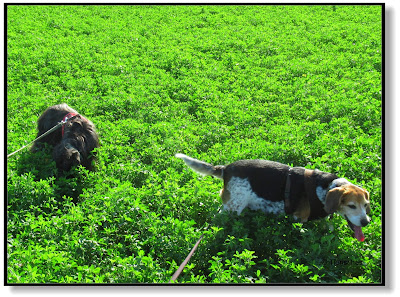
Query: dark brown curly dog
[73, 143]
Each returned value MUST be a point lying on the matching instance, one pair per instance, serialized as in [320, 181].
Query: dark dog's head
[75, 148]
[66, 156]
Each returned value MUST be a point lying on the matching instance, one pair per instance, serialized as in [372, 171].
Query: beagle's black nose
[364, 222]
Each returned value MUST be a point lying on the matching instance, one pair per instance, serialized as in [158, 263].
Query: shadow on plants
[283, 250]
[39, 168]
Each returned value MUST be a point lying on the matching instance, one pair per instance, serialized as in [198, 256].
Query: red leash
[176, 274]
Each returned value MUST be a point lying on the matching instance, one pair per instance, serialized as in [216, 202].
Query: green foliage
[296, 84]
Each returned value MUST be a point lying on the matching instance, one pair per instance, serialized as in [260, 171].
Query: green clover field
[297, 84]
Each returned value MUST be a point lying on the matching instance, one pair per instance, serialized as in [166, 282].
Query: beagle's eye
[352, 206]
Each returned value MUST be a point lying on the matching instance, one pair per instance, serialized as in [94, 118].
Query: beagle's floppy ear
[368, 209]
[333, 199]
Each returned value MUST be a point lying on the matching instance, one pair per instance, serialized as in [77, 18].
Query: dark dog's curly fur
[76, 145]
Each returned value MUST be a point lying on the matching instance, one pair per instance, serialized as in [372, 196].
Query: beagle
[278, 188]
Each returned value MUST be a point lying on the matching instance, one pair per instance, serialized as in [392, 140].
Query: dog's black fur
[76, 145]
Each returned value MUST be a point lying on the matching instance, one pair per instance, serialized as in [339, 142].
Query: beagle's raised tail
[202, 167]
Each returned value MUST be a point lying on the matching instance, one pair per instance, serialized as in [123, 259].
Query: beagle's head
[352, 202]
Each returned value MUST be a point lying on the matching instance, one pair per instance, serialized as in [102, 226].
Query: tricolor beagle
[277, 188]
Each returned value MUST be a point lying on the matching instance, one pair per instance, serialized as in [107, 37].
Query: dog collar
[65, 119]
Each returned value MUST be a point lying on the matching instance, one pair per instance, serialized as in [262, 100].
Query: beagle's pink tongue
[358, 233]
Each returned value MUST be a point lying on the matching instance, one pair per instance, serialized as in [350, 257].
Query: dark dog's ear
[76, 157]
[333, 200]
